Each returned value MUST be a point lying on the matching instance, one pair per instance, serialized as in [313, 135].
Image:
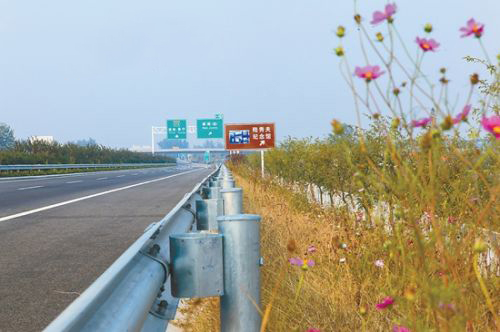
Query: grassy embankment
[341, 291]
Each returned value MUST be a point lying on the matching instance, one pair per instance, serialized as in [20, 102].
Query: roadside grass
[342, 290]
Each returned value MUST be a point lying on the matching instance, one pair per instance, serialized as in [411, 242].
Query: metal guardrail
[203, 247]
[75, 166]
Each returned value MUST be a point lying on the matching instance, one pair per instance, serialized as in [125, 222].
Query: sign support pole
[262, 162]
[152, 141]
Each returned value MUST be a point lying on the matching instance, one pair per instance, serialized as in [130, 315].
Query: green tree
[7, 139]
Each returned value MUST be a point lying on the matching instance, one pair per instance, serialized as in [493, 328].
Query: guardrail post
[207, 211]
[241, 248]
[196, 264]
[227, 183]
[214, 192]
[232, 199]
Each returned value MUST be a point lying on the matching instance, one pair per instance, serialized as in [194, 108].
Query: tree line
[14, 151]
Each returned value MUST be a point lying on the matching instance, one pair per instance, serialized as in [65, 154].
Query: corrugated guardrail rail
[74, 166]
[204, 247]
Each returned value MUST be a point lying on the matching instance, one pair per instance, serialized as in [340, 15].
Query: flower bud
[447, 123]
[435, 133]
[362, 310]
[480, 246]
[339, 51]
[340, 31]
[357, 18]
[444, 80]
[426, 140]
[403, 84]
[410, 293]
[396, 91]
[338, 128]
[442, 70]
[474, 79]
[428, 28]
[380, 37]
[395, 123]
[376, 116]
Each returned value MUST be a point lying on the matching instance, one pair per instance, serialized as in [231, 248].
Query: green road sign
[176, 129]
[210, 128]
[207, 156]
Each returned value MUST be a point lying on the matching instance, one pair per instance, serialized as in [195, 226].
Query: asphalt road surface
[58, 234]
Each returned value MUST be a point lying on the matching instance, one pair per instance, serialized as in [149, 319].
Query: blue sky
[111, 69]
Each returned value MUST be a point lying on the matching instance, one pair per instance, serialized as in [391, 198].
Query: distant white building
[141, 148]
[45, 139]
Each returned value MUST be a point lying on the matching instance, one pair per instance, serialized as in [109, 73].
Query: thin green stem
[484, 290]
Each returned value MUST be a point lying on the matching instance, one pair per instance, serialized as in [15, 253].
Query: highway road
[58, 234]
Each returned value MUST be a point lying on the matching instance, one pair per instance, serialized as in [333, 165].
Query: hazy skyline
[112, 69]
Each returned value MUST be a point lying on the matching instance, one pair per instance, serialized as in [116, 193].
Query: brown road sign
[243, 136]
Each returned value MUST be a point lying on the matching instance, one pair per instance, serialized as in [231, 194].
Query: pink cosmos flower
[379, 263]
[400, 328]
[447, 306]
[313, 330]
[378, 16]
[492, 124]
[368, 73]
[386, 302]
[359, 216]
[472, 28]
[427, 44]
[301, 262]
[462, 116]
[421, 123]
[311, 249]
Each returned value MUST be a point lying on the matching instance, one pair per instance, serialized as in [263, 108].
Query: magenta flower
[400, 328]
[462, 116]
[313, 330]
[311, 249]
[421, 123]
[386, 302]
[492, 124]
[368, 73]
[447, 306]
[301, 262]
[427, 44]
[472, 28]
[378, 16]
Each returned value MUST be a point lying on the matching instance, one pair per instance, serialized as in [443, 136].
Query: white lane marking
[135, 174]
[27, 188]
[101, 179]
[77, 181]
[48, 207]
[120, 176]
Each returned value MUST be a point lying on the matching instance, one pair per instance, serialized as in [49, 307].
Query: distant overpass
[202, 150]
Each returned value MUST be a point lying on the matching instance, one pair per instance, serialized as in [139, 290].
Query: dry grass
[341, 296]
